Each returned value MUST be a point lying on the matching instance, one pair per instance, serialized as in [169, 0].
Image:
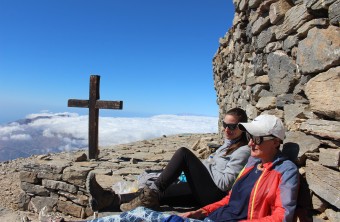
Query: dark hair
[239, 113]
[242, 117]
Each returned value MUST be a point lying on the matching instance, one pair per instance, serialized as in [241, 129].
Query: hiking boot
[147, 198]
[100, 198]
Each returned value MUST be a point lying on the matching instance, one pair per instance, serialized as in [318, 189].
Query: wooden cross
[94, 104]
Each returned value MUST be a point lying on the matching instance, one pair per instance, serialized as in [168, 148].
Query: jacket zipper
[255, 192]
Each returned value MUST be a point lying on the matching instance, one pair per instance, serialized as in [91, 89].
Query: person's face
[231, 133]
[266, 150]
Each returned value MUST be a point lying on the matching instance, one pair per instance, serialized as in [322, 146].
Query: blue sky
[154, 55]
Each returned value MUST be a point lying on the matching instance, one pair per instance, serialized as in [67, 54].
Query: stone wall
[58, 181]
[282, 57]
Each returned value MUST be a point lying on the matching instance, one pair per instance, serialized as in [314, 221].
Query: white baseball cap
[265, 125]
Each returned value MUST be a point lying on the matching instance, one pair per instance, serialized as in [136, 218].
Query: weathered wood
[93, 117]
[101, 104]
[94, 104]
[78, 103]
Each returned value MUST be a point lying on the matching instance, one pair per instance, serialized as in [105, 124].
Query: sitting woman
[215, 176]
[267, 188]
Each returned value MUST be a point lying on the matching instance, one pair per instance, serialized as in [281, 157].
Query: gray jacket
[225, 169]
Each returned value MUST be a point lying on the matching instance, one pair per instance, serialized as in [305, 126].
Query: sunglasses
[231, 126]
[258, 139]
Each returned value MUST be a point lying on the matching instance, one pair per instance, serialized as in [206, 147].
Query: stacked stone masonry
[282, 57]
[58, 181]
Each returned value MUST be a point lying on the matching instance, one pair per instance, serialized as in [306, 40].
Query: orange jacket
[274, 195]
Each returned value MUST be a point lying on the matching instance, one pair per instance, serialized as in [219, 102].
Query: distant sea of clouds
[55, 132]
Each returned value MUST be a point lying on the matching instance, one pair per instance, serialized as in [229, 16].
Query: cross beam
[94, 104]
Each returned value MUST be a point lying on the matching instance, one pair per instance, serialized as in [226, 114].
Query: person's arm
[286, 197]
[238, 160]
[197, 214]
[205, 211]
[214, 206]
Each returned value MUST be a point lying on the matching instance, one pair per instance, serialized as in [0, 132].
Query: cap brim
[253, 129]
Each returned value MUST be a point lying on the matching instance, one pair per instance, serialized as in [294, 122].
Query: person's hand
[197, 214]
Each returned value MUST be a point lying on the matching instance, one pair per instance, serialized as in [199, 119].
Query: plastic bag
[123, 187]
[147, 179]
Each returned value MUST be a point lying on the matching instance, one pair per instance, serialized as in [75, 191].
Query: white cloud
[124, 130]
[116, 130]
[10, 128]
[20, 137]
[69, 131]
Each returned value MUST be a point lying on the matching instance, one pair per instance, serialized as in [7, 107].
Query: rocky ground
[166, 145]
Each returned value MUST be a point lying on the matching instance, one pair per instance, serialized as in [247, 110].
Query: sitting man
[267, 187]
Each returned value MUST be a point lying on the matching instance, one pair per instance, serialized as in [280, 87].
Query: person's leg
[201, 184]
[198, 177]
[178, 195]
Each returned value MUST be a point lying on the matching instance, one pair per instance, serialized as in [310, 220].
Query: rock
[334, 13]
[323, 128]
[76, 175]
[264, 7]
[59, 185]
[265, 37]
[34, 189]
[68, 208]
[272, 47]
[294, 18]
[332, 215]
[319, 51]
[266, 103]
[276, 112]
[37, 203]
[78, 199]
[243, 5]
[254, 3]
[317, 4]
[128, 170]
[30, 177]
[108, 181]
[330, 143]
[324, 182]
[306, 143]
[80, 158]
[256, 90]
[319, 204]
[278, 10]
[303, 30]
[49, 175]
[290, 42]
[265, 93]
[281, 72]
[260, 24]
[251, 111]
[330, 157]
[55, 167]
[327, 102]
[257, 80]
[23, 200]
[259, 61]
[292, 111]
[282, 100]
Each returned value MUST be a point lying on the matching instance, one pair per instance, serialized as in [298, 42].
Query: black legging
[200, 182]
